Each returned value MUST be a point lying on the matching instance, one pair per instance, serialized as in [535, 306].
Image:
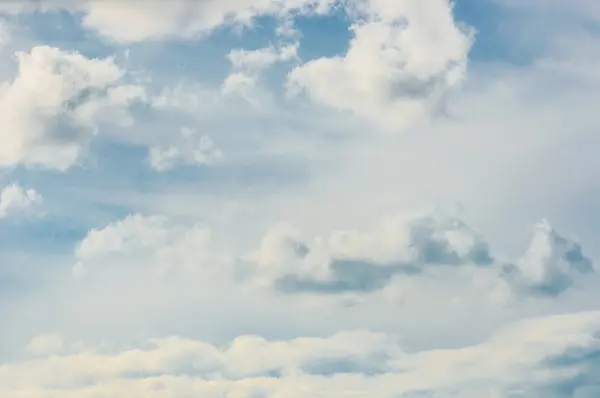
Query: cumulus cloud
[190, 149]
[178, 18]
[551, 263]
[354, 262]
[16, 199]
[52, 108]
[538, 357]
[403, 60]
[150, 242]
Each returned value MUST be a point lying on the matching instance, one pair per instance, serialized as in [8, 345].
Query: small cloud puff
[190, 149]
[551, 263]
[16, 199]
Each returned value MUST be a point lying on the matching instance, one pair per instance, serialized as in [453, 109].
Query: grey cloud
[348, 276]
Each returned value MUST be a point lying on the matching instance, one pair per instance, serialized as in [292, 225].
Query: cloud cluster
[53, 107]
[553, 357]
[346, 262]
[404, 59]
[16, 199]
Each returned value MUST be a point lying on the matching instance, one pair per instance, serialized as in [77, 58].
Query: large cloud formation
[552, 357]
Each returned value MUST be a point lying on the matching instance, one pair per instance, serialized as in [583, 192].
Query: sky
[299, 199]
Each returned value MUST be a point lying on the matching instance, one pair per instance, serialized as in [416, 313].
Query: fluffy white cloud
[151, 242]
[52, 108]
[178, 18]
[190, 149]
[403, 60]
[14, 199]
[539, 357]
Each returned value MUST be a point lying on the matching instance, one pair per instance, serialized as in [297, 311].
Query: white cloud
[150, 242]
[402, 62]
[178, 18]
[52, 108]
[536, 357]
[15, 199]
[190, 149]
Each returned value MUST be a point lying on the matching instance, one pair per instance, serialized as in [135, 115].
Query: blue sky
[299, 198]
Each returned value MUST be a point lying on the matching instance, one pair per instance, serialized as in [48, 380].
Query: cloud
[346, 264]
[178, 18]
[16, 199]
[53, 107]
[249, 65]
[551, 263]
[365, 263]
[535, 356]
[403, 60]
[153, 243]
[190, 150]
[350, 261]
